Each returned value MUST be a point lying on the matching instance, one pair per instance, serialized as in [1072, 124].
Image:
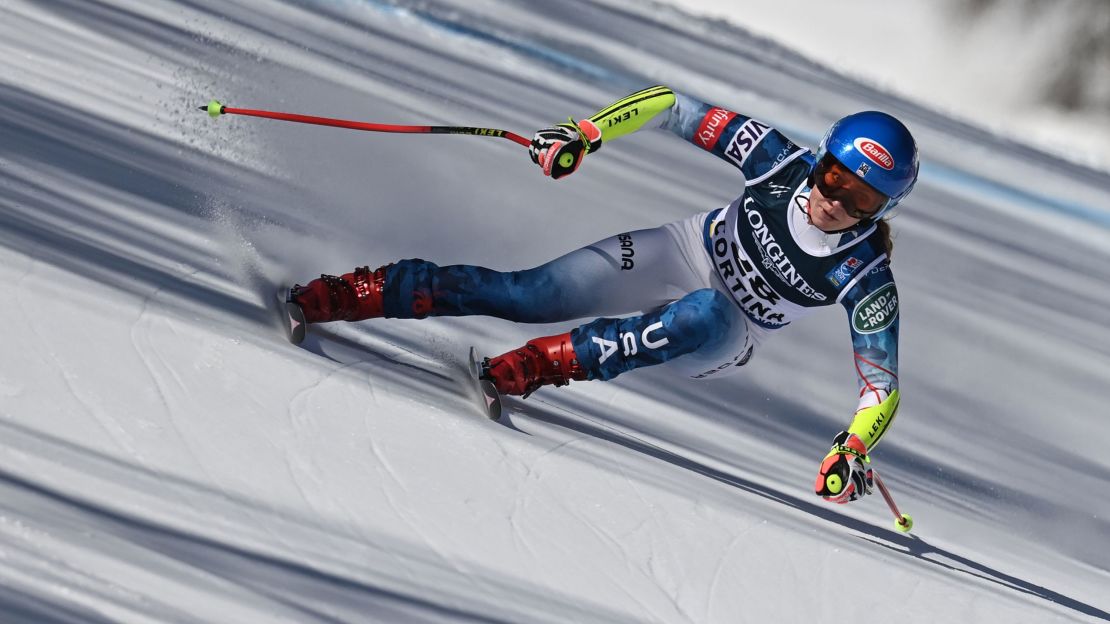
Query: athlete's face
[827, 214]
[839, 198]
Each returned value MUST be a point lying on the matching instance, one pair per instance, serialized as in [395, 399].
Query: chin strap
[803, 206]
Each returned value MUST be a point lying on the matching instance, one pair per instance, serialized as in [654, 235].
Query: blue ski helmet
[879, 149]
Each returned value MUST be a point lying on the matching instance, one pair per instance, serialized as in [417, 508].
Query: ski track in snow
[171, 414]
[110, 425]
[165, 456]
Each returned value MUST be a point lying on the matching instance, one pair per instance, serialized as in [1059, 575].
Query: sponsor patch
[874, 152]
[709, 132]
[844, 271]
[777, 190]
[877, 311]
[750, 290]
[744, 141]
[863, 169]
[628, 252]
[739, 360]
[775, 258]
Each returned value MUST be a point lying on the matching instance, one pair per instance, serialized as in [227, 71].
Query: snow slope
[166, 457]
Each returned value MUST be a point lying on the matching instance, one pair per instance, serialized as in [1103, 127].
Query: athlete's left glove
[559, 150]
[845, 474]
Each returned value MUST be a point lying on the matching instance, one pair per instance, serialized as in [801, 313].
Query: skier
[807, 232]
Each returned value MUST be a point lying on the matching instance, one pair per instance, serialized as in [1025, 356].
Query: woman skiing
[806, 233]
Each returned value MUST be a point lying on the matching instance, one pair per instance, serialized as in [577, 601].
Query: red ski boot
[352, 297]
[539, 362]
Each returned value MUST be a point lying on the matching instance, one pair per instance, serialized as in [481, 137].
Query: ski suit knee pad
[608, 347]
[728, 347]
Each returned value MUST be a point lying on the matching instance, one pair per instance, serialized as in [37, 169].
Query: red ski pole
[215, 109]
[902, 522]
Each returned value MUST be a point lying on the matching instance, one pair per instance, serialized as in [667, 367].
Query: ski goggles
[836, 182]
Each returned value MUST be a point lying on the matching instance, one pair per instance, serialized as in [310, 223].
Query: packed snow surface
[166, 456]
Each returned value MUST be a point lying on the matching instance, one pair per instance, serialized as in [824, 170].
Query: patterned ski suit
[702, 292]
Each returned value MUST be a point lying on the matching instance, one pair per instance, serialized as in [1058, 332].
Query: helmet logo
[874, 152]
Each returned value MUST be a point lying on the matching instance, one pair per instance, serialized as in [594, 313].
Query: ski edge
[491, 398]
[295, 323]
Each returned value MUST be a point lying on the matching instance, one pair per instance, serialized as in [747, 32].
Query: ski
[482, 389]
[487, 392]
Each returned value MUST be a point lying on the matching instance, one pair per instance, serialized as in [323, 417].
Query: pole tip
[214, 108]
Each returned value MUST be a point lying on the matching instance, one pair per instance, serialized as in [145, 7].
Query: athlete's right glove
[559, 150]
[845, 474]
